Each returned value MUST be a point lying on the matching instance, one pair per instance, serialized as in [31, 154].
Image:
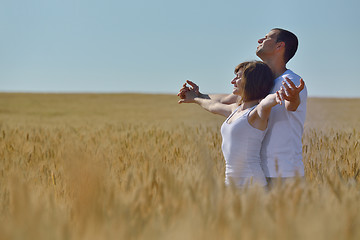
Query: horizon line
[144, 93]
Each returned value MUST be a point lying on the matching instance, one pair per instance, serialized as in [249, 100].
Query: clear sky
[154, 46]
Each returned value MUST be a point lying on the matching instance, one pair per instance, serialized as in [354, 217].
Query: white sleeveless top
[241, 144]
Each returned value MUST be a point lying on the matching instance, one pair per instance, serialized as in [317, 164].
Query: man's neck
[277, 67]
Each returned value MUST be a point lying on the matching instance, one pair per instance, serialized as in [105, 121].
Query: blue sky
[154, 46]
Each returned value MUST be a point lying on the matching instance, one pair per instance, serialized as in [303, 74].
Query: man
[281, 151]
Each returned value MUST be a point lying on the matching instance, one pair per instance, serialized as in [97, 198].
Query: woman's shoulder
[234, 107]
[255, 120]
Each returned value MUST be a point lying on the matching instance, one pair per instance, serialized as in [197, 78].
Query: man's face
[267, 45]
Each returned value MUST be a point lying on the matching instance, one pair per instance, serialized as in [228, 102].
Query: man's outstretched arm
[224, 98]
[207, 103]
[221, 98]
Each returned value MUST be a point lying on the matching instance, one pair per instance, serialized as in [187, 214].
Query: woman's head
[254, 80]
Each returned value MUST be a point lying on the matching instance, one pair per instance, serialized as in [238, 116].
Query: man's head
[277, 42]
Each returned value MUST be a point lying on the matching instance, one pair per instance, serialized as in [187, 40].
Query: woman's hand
[188, 95]
[290, 93]
[193, 87]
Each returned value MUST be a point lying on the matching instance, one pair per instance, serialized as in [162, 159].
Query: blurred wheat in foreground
[143, 167]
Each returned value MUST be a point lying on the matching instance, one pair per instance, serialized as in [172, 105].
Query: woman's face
[236, 82]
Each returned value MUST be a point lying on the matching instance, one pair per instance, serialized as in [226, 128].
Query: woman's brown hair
[257, 80]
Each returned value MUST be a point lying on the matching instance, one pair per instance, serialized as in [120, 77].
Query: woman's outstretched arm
[260, 116]
[208, 104]
[290, 94]
[221, 98]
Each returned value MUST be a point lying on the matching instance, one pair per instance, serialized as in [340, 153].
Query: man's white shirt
[281, 151]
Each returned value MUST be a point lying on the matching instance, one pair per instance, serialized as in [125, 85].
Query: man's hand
[182, 91]
[193, 87]
[290, 92]
[188, 95]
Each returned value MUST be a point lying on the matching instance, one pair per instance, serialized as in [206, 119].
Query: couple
[265, 117]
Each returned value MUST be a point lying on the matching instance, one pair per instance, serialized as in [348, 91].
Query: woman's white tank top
[241, 144]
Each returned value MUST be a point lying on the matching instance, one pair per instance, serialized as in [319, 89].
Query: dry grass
[143, 167]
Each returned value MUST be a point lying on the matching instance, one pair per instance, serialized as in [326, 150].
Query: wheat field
[132, 166]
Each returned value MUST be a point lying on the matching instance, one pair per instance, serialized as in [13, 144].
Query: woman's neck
[249, 104]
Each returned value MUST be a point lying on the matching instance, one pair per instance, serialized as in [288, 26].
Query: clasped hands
[187, 94]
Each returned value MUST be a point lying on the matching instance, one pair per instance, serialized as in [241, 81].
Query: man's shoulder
[288, 74]
[291, 75]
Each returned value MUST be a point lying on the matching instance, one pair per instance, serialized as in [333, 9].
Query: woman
[246, 123]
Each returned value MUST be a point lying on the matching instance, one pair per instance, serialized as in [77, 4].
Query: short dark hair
[290, 40]
[257, 80]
